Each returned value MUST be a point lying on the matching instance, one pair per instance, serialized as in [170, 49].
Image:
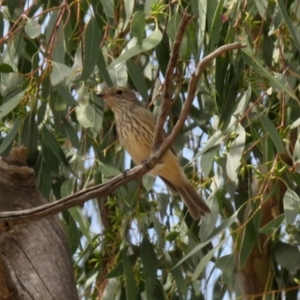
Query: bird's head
[118, 98]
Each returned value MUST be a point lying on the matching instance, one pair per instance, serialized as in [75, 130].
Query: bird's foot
[145, 163]
[125, 172]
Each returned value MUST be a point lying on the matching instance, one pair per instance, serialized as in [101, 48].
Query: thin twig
[167, 90]
[167, 143]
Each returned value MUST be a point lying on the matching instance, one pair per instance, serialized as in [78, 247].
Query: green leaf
[55, 36]
[296, 154]
[224, 226]
[149, 261]
[32, 28]
[235, 153]
[289, 24]
[176, 273]
[116, 271]
[1, 24]
[11, 101]
[214, 140]
[148, 182]
[173, 25]
[5, 68]
[67, 188]
[270, 128]
[10, 136]
[287, 256]
[206, 259]
[59, 73]
[162, 52]
[137, 78]
[262, 6]
[129, 277]
[103, 69]
[92, 42]
[111, 289]
[243, 102]
[129, 4]
[226, 264]
[108, 6]
[108, 170]
[291, 204]
[215, 27]
[85, 112]
[199, 8]
[172, 236]
[66, 95]
[272, 226]
[70, 133]
[295, 123]
[207, 159]
[248, 242]
[30, 135]
[78, 217]
[53, 146]
[209, 220]
[254, 63]
[150, 42]
[137, 27]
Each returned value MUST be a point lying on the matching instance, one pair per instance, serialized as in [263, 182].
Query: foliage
[239, 145]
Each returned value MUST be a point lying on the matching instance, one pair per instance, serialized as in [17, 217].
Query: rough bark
[35, 261]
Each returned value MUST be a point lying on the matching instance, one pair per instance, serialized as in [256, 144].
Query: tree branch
[12, 218]
[167, 91]
[167, 143]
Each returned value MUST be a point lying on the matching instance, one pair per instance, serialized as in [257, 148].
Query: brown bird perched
[136, 126]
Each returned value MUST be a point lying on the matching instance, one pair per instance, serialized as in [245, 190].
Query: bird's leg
[145, 163]
[125, 172]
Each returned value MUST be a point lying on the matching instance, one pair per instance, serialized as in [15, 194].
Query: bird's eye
[119, 92]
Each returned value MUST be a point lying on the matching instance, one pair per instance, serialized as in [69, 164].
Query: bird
[135, 126]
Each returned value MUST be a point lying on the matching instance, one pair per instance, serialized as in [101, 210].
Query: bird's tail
[195, 204]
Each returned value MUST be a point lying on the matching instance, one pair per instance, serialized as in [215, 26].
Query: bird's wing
[150, 119]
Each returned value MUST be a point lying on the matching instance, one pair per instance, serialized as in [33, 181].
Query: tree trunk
[35, 261]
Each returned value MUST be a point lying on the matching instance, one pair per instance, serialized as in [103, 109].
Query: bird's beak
[102, 95]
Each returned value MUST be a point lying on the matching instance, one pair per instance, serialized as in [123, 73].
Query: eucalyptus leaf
[79, 218]
[149, 261]
[150, 42]
[137, 27]
[287, 256]
[262, 6]
[248, 242]
[32, 28]
[271, 130]
[272, 226]
[92, 41]
[108, 6]
[204, 261]
[108, 171]
[6, 68]
[129, 277]
[10, 136]
[59, 73]
[291, 204]
[10, 104]
[254, 63]
[289, 23]
[235, 153]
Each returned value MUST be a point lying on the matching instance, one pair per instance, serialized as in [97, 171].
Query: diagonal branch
[167, 143]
